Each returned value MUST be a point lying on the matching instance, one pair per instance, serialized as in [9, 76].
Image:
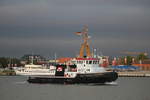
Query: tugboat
[82, 70]
[78, 70]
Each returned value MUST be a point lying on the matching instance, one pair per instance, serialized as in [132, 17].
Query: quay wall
[134, 74]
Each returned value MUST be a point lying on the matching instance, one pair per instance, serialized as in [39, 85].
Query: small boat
[32, 69]
[78, 70]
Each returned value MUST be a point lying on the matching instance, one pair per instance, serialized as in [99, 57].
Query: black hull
[80, 78]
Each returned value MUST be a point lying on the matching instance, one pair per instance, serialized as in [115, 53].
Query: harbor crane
[85, 45]
[134, 53]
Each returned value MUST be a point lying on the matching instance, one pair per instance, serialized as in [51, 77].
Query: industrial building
[144, 65]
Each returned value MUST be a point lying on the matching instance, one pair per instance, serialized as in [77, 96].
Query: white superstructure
[85, 66]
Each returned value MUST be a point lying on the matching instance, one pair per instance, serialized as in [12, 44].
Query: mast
[32, 60]
[55, 57]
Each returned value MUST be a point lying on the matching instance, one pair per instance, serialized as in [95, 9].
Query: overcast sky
[47, 26]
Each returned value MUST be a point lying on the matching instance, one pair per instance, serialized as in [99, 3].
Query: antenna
[55, 57]
[32, 58]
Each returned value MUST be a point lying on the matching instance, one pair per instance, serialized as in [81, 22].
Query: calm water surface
[16, 88]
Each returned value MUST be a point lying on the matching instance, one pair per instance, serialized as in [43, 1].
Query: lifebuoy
[59, 69]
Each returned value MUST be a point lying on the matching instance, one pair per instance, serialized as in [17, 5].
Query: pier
[134, 74]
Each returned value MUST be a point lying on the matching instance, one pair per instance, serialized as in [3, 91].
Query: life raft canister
[59, 69]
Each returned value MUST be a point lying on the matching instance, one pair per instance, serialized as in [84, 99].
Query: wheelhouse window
[87, 62]
[94, 62]
[90, 62]
[73, 62]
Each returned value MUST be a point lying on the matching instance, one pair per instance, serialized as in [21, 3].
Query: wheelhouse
[87, 61]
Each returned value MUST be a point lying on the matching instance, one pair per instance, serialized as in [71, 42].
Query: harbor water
[125, 88]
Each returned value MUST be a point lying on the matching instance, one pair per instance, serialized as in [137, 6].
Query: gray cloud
[24, 24]
[109, 15]
[109, 45]
[39, 45]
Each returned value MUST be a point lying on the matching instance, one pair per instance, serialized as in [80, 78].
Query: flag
[78, 33]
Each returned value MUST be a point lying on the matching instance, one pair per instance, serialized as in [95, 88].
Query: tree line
[9, 62]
